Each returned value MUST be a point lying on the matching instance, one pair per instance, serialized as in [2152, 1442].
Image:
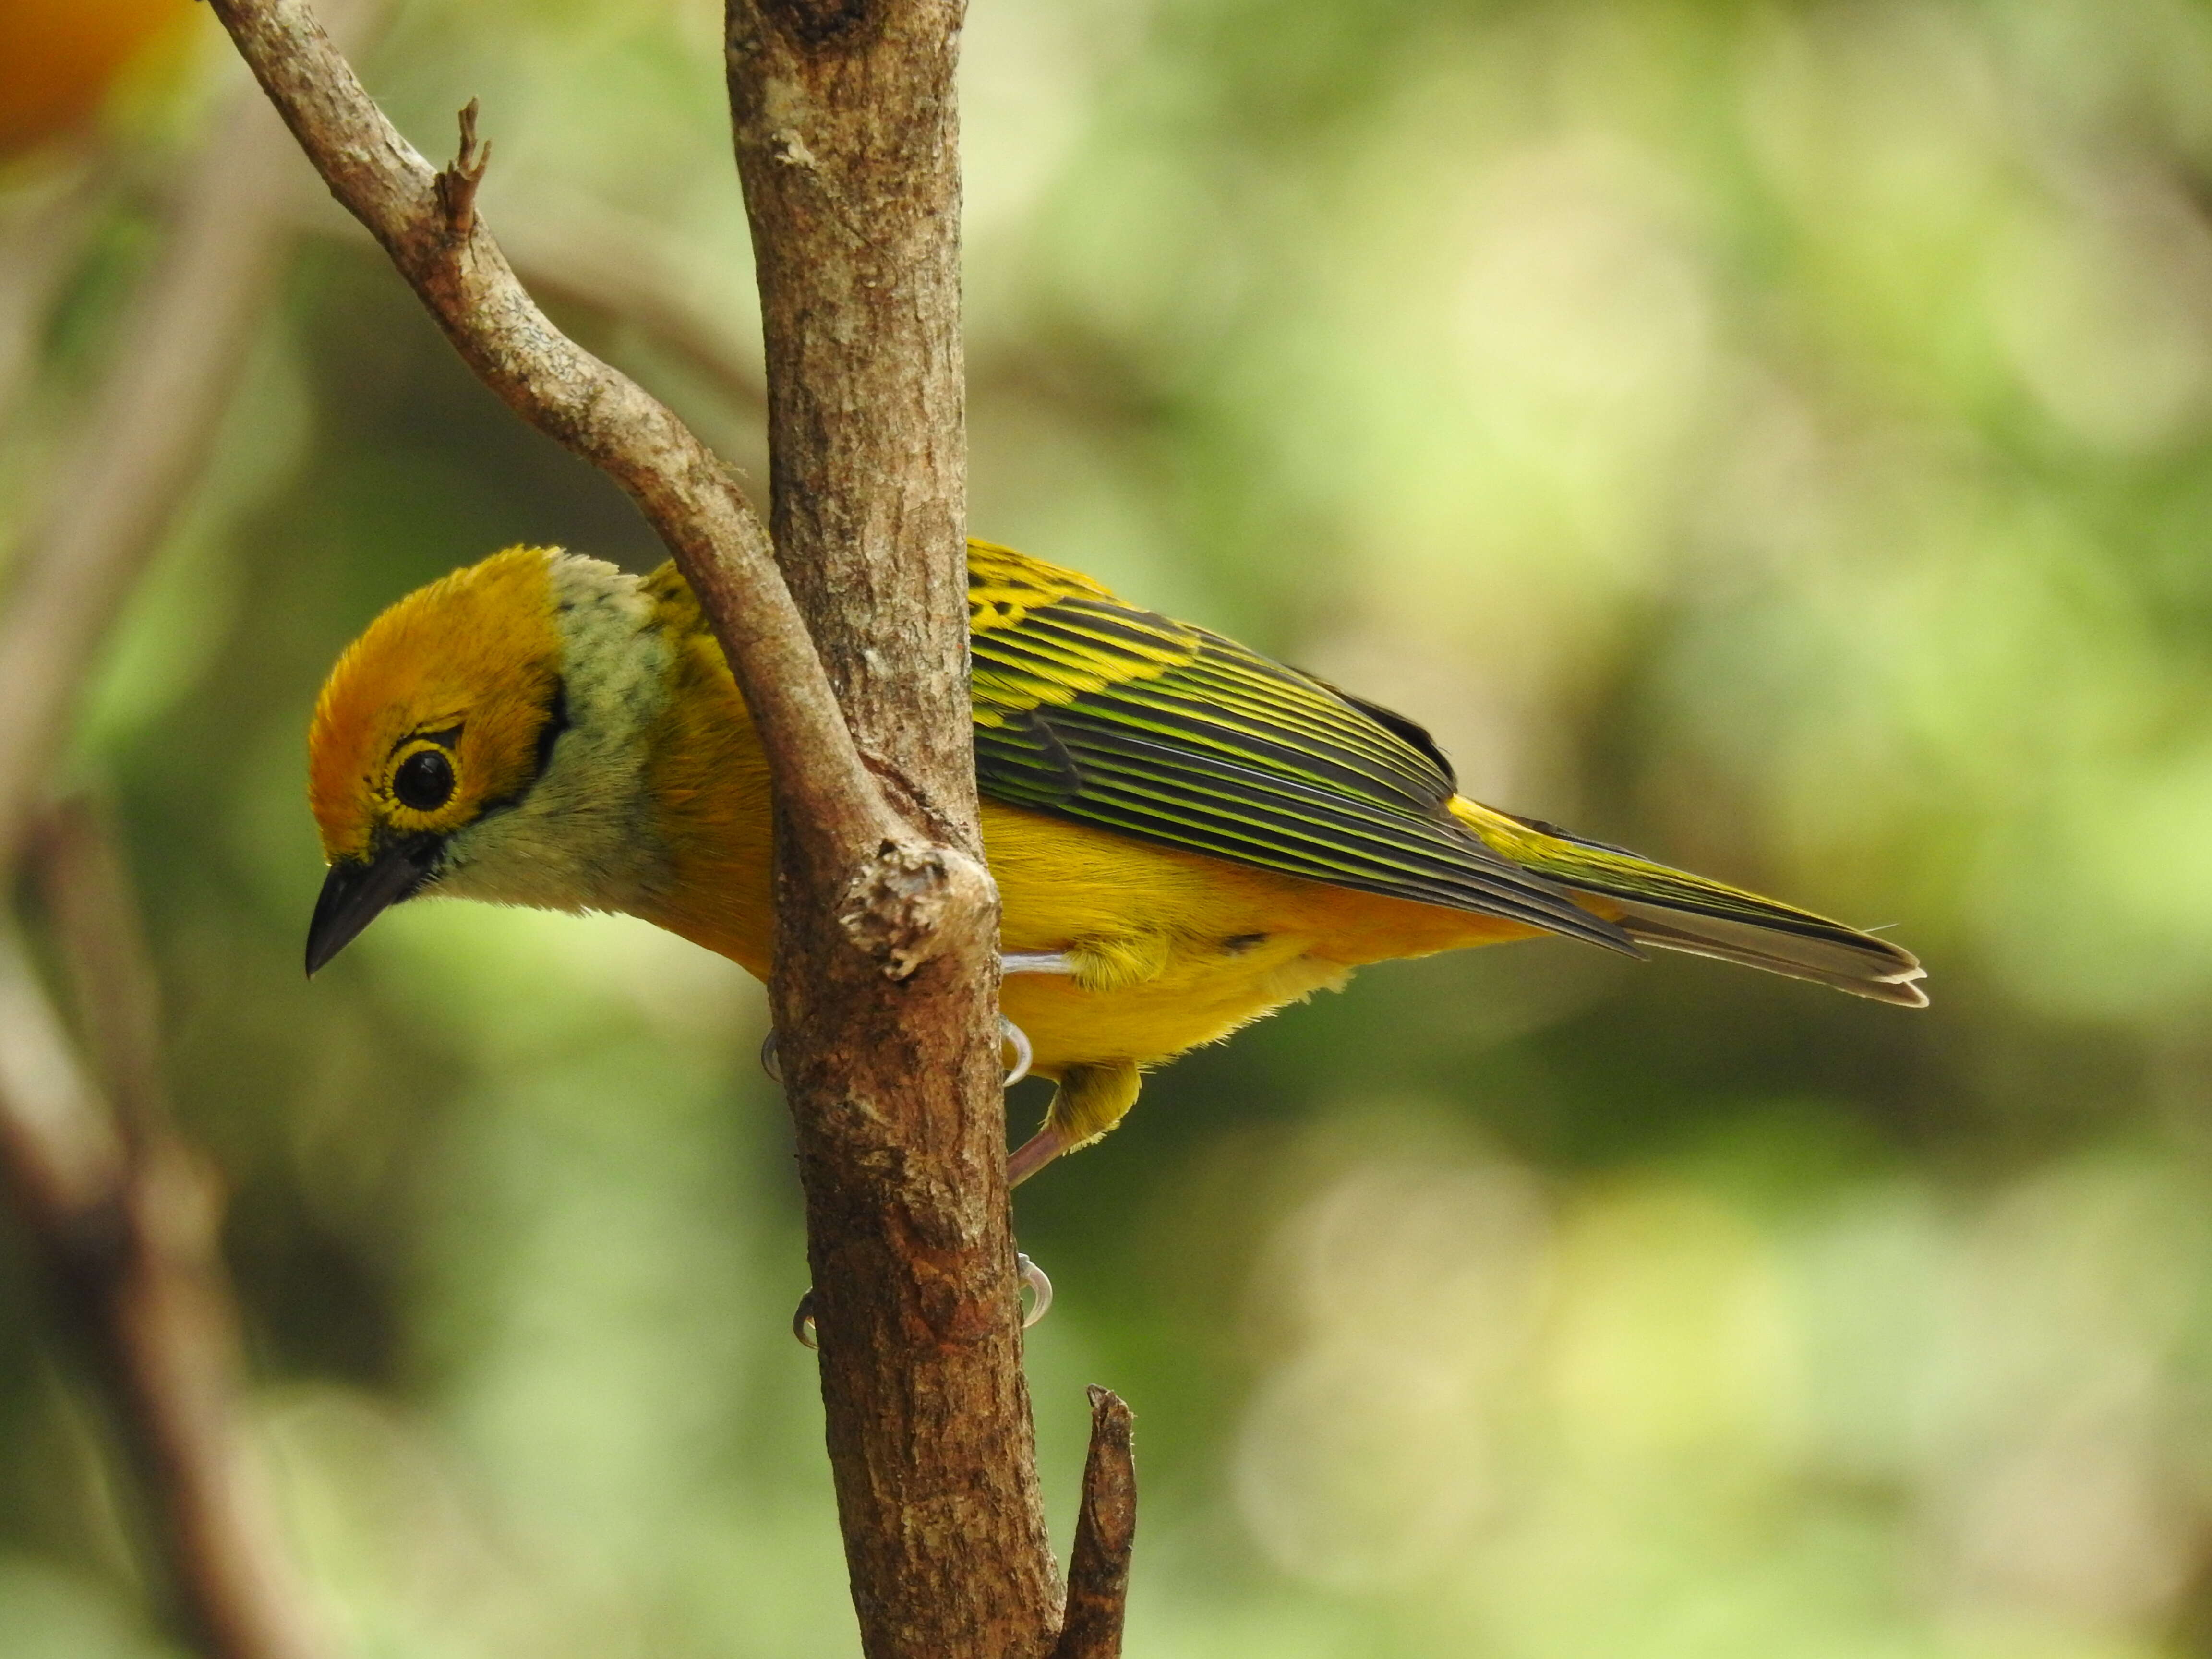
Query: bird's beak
[358, 890]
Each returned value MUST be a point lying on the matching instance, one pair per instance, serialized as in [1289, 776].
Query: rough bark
[846, 140]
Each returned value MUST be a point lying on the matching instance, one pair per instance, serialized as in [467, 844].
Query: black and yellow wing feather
[1094, 710]
[1675, 910]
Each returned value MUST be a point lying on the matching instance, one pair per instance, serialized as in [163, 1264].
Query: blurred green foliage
[1778, 437]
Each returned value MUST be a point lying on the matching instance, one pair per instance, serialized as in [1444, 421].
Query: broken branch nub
[457, 184]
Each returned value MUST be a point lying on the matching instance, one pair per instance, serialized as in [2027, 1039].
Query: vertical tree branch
[126, 1220]
[848, 142]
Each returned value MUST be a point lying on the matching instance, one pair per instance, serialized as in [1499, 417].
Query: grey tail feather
[1857, 962]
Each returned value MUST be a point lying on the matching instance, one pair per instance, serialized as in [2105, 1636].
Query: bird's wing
[1091, 709]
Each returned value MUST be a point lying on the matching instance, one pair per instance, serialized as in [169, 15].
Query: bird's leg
[1091, 1100]
[1033, 1154]
[1047, 1143]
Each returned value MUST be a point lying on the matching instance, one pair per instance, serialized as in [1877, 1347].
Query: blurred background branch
[127, 1219]
[619, 271]
[43, 230]
[142, 446]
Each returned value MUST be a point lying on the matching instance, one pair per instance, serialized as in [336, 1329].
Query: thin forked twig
[457, 184]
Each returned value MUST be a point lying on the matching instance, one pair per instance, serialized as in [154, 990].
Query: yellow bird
[1186, 834]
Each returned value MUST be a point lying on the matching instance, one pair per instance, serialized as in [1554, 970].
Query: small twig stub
[1105, 1536]
[457, 184]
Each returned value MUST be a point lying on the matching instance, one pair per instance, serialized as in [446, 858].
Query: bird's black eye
[424, 780]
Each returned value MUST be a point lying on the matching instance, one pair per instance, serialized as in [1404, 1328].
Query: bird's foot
[1033, 1280]
[1033, 1277]
[1039, 1287]
[1010, 1033]
[1018, 1041]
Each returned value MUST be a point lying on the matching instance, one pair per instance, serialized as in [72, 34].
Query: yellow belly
[1176, 949]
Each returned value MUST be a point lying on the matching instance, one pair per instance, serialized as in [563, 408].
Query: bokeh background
[1778, 437]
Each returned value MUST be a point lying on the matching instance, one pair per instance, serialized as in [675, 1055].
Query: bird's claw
[1010, 1033]
[1024, 1054]
[1033, 1280]
[1039, 1289]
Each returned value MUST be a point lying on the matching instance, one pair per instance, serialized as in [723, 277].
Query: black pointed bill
[358, 890]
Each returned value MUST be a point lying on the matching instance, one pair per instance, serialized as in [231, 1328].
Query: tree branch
[848, 142]
[1105, 1537]
[427, 221]
[126, 1220]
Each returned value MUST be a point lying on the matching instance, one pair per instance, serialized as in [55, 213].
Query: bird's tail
[1673, 910]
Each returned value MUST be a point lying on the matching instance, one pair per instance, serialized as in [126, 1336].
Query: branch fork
[895, 1074]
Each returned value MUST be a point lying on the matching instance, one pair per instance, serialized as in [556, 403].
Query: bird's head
[436, 755]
